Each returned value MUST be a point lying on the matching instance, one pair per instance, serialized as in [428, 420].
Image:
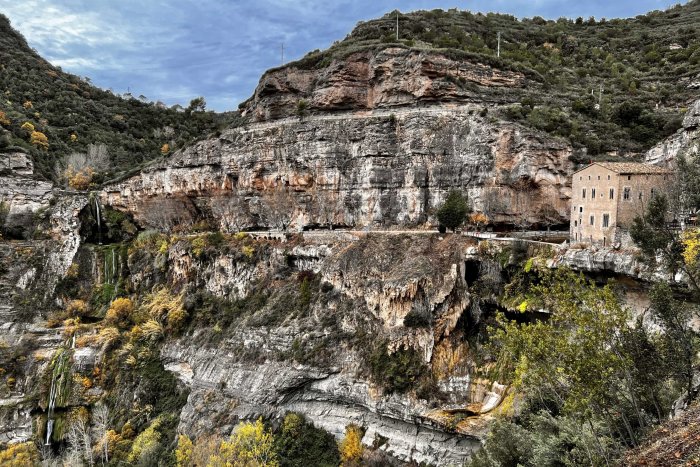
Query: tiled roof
[632, 168]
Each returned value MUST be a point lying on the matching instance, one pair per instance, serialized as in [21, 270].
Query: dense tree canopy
[454, 210]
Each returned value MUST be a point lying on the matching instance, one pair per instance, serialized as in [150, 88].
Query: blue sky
[176, 50]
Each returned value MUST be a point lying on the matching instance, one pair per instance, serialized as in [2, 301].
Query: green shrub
[397, 371]
[299, 443]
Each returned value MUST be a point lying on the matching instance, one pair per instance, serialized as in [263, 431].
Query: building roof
[630, 168]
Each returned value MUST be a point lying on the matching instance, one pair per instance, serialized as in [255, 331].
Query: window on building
[583, 193]
[606, 220]
[592, 220]
[589, 177]
[580, 178]
[640, 195]
[626, 193]
[612, 193]
[580, 209]
[608, 177]
[652, 192]
[629, 177]
[592, 193]
[575, 223]
[598, 177]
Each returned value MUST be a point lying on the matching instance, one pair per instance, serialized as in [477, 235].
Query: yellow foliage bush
[73, 137]
[166, 308]
[85, 382]
[39, 140]
[248, 251]
[120, 312]
[250, 444]
[691, 247]
[183, 452]
[146, 441]
[350, 446]
[198, 245]
[20, 455]
[80, 179]
[86, 340]
[152, 330]
[164, 149]
[28, 105]
[4, 121]
[28, 127]
[76, 308]
[108, 337]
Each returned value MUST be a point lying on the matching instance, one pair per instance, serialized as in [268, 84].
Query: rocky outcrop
[375, 79]
[388, 168]
[603, 260]
[249, 373]
[21, 194]
[684, 141]
[226, 391]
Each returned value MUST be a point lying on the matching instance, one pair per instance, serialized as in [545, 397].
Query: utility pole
[600, 97]
[397, 25]
[282, 53]
[498, 50]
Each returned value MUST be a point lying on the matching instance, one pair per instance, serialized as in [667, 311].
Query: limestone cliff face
[29, 273]
[21, 193]
[685, 141]
[354, 169]
[391, 77]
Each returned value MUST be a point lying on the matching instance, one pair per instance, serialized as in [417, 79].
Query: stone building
[607, 196]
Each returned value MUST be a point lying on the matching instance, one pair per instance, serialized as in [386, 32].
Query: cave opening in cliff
[472, 267]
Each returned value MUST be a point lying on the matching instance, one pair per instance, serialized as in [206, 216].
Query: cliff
[355, 168]
[684, 141]
[389, 77]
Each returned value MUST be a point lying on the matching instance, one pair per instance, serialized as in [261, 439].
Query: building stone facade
[607, 196]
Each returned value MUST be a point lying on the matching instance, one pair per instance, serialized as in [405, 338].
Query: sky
[173, 51]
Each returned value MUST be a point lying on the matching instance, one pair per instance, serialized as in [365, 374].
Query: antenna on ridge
[282, 53]
[498, 50]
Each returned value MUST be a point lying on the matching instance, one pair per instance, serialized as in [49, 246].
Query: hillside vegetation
[73, 114]
[606, 85]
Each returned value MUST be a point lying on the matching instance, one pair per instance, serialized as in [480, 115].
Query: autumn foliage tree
[350, 446]
[39, 140]
[250, 444]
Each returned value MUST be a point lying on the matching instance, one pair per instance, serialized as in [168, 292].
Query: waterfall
[99, 222]
[49, 430]
[60, 381]
[52, 405]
